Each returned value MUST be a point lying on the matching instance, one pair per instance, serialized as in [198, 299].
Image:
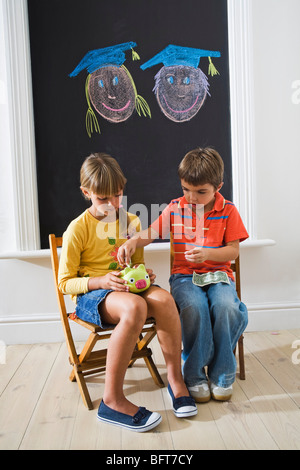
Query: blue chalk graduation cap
[113, 55]
[179, 55]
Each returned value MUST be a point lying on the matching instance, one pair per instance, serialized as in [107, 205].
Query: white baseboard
[48, 329]
[37, 329]
[273, 316]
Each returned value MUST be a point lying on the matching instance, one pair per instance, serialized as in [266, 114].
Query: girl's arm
[70, 283]
[108, 281]
[68, 280]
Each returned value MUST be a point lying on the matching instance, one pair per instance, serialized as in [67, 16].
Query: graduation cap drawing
[180, 85]
[109, 86]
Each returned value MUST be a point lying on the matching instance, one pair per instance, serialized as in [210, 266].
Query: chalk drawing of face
[112, 94]
[109, 86]
[180, 86]
[180, 91]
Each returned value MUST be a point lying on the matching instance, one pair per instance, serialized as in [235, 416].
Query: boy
[205, 232]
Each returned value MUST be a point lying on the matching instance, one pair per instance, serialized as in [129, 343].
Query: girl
[88, 272]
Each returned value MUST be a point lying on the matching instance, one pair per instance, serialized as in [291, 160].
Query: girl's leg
[229, 320]
[162, 307]
[129, 313]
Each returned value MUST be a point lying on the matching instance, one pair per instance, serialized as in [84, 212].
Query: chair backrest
[55, 243]
[235, 266]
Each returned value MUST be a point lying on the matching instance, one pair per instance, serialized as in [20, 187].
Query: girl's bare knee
[134, 312]
[163, 305]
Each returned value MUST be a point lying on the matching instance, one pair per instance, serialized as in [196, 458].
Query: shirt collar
[218, 206]
[219, 202]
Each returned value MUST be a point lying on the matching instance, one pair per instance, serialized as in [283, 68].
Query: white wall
[270, 274]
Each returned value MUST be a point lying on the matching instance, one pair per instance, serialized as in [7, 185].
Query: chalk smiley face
[111, 93]
[180, 92]
[109, 86]
[180, 85]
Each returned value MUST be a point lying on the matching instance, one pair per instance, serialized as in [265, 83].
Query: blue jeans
[212, 320]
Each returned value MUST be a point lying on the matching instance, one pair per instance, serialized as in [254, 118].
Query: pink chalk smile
[183, 111]
[117, 110]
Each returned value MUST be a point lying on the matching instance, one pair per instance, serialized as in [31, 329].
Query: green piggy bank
[137, 278]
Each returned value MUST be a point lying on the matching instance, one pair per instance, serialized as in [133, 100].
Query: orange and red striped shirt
[187, 230]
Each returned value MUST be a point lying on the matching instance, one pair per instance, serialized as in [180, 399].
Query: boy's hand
[125, 252]
[197, 255]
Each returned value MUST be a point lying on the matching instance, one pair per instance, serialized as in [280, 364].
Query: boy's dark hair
[202, 166]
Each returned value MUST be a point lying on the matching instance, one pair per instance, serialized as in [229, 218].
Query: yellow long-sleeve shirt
[90, 249]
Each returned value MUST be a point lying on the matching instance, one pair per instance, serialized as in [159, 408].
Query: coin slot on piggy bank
[137, 278]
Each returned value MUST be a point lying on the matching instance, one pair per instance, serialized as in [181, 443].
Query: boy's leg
[129, 313]
[162, 307]
[229, 319]
[198, 348]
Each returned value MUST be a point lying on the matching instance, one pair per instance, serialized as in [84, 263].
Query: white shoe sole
[225, 395]
[221, 397]
[184, 411]
[202, 396]
[152, 422]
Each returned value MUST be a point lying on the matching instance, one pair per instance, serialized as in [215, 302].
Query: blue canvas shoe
[183, 407]
[142, 421]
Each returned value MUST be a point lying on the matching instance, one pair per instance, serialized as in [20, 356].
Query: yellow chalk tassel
[135, 55]
[212, 69]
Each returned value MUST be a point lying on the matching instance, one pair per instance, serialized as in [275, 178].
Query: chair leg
[242, 358]
[154, 372]
[83, 389]
[86, 351]
[141, 345]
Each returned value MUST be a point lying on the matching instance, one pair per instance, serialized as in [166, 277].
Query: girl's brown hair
[101, 174]
[202, 166]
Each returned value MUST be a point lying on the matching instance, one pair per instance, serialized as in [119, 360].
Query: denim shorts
[87, 307]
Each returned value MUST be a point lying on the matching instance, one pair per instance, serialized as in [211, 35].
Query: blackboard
[148, 149]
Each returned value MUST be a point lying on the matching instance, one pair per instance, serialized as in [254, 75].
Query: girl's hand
[125, 252]
[197, 255]
[151, 275]
[109, 281]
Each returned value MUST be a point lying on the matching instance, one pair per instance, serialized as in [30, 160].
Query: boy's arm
[139, 240]
[159, 228]
[226, 253]
[234, 234]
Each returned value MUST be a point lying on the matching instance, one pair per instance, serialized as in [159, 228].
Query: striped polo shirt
[188, 230]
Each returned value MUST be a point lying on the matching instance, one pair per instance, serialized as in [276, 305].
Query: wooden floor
[41, 409]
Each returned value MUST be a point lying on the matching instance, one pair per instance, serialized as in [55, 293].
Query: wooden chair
[88, 361]
[235, 266]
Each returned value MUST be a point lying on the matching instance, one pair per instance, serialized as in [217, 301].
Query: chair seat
[96, 328]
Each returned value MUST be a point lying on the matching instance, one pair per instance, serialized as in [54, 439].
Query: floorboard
[41, 409]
